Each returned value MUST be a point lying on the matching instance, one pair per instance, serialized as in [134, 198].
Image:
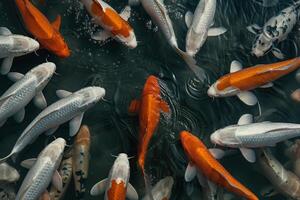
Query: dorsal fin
[134, 106]
[56, 23]
[164, 106]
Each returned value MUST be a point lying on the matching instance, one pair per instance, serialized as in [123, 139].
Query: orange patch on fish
[46, 33]
[83, 136]
[111, 19]
[253, 77]
[200, 156]
[117, 191]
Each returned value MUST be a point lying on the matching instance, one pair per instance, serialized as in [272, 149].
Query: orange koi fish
[115, 25]
[148, 109]
[38, 25]
[117, 186]
[205, 166]
[239, 80]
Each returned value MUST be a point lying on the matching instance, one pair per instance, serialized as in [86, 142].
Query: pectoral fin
[131, 192]
[28, 163]
[6, 65]
[277, 53]
[75, 124]
[14, 76]
[217, 153]
[254, 28]
[99, 187]
[57, 23]
[268, 85]
[190, 172]
[248, 98]
[216, 31]
[245, 119]
[51, 131]
[5, 31]
[3, 122]
[101, 35]
[57, 181]
[63, 93]
[19, 116]
[134, 106]
[235, 66]
[188, 18]
[201, 179]
[164, 106]
[40, 101]
[125, 14]
[249, 154]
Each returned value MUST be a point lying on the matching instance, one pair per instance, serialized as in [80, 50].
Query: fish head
[43, 73]
[262, 45]
[222, 88]
[23, 45]
[90, 96]
[131, 40]
[121, 169]
[226, 137]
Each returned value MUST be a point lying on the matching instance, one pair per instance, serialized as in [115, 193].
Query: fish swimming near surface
[162, 189]
[200, 24]
[115, 25]
[283, 181]
[148, 109]
[70, 107]
[246, 135]
[275, 30]
[42, 171]
[65, 171]
[239, 81]
[12, 45]
[81, 160]
[207, 169]
[45, 32]
[117, 186]
[25, 88]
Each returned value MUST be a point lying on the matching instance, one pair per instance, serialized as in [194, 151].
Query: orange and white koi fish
[148, 109]
[117, 186]
[115, 25]
[239, 80]
[46, 33]
[208, 170]
[81, 156]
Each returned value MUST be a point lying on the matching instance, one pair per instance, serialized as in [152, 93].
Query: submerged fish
[115, 25]
[203, 165]
[70, 108]
[81, 156]
[65, 171]
[284, 181]
[42, 171]
[7, 192]
[275, 30]
[246, 135]
[117, 186]
[266, 3]
[293, 152]
[46, 33]
[200, 24]
[26, 88]
[239, 80]
[162, 189]
[12, 45]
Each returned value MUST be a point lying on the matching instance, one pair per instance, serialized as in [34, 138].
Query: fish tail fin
[148, 185]
[192, 63]
[2, 160]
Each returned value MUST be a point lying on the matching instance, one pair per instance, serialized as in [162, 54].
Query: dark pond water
[122, 72]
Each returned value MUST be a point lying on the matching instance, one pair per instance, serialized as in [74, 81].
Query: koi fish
[42, 171]
[12, 45]
[117, 186]
[65, 171]
[7, 192]
[293, 152]
[46, 33]
[115, 25]
[199, 25]
[148, 109]
[162, 189]
[8, 174]
[239, 80]
[203, 165]
[26, 88]
[81, 156]
[70, 107]
[284, 181]
[275, 30]
[246, 135]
